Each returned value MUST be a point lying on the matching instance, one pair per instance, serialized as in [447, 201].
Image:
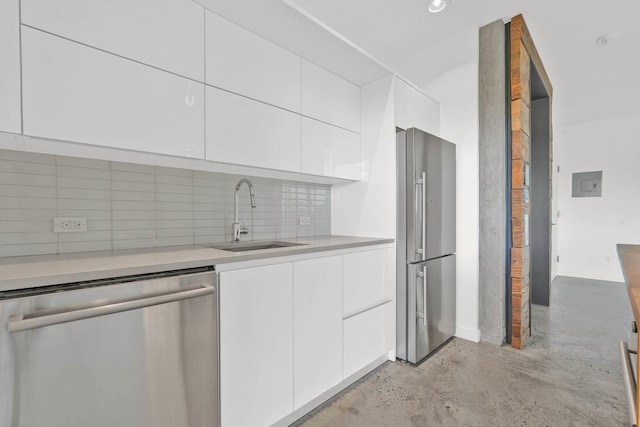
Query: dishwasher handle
[18, 323]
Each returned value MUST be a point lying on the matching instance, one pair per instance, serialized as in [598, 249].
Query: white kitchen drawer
[10, 68]
[329, 150]
[168, 34]
[76, 93]
[245, 63]
[256, 342]
[247, 132]
[369, 278]
[317, 327]
[368, 336]
[329, 98]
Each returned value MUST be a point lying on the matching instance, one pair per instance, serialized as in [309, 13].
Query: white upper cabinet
[317, 327]
[76, 93]
[414, 109]
[329, 98]
[10, 66]
[168, 34]
[247, 132]
[329, 150]
[242, 62]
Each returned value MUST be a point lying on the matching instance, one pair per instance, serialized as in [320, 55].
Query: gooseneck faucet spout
[236, 230]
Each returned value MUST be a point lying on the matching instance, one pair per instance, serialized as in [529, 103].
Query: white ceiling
[590, 81]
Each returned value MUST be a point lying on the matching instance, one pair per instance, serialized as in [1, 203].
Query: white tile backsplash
[130, 206]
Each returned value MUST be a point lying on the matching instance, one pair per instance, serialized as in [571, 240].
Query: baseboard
[468, 334]
[313, 404]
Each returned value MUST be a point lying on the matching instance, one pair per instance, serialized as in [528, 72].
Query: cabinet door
[245, 63]
[247, 132]
[256, 342]
[414, 109]
[369, 279]
[329, 98]
[75, 93]
[328, 150]
[168, 34]
[10, 68]
[317, 327]
[368, 336]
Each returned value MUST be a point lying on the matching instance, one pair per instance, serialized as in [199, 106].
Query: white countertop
[43, 270]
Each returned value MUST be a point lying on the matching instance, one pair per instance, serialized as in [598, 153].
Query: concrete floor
[569, 374]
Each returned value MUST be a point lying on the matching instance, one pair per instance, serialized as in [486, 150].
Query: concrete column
[493, 175]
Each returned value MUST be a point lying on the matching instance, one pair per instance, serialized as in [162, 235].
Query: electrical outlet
[304, 220]
[69, 225]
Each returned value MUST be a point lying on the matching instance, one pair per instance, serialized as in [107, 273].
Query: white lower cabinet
[284, 337]
[256, 342]
[317, 327]
[367, 337]
[75, 93]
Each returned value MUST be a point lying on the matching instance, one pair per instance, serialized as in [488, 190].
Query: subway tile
[132, 167]
[132, 224]
[22, 250]
[71, 247]
[131, 205]
[28, 203]
[74, 182]
[82, 162]
[97, 205]
[81, 172]
[26, 214]
[174, 223]
[25, 156]
[90, 215]
[132, 215]
[166, 171]
[28, 238]
[174, 206]
[133, 234]
[27, 179]
[27, 168]
[186, 198]
[104, 235]
[83, 193]
[142, 196]
[175, 232]
[175, 241]
[134, 244]
[10, 190]
[133, 186]
[130, 176]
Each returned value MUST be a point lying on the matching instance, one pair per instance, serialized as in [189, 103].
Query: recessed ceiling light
[436, 6]
[608, 38]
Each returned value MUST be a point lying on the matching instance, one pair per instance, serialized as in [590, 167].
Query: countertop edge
[156, 260]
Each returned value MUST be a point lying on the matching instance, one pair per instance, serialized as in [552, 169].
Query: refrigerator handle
[423, 274]
[423, 184]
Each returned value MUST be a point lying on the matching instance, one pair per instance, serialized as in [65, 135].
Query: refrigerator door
[431, 305]
[430, 196]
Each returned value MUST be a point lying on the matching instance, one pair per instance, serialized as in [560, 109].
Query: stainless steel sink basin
[254, 246]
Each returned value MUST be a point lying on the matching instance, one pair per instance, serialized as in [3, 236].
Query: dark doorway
[540, 188]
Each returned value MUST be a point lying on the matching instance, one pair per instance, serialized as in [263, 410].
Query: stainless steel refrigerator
[426, 243]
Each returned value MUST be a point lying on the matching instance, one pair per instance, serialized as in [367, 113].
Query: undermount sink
[253, 246]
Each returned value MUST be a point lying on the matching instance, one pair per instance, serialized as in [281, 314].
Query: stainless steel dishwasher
[136, 351]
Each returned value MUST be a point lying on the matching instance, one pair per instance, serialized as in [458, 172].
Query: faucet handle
[243, 228]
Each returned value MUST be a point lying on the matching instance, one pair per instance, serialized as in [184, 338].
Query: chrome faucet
[236, 230]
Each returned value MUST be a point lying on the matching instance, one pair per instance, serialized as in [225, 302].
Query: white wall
[590, 227]
[457, 93]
